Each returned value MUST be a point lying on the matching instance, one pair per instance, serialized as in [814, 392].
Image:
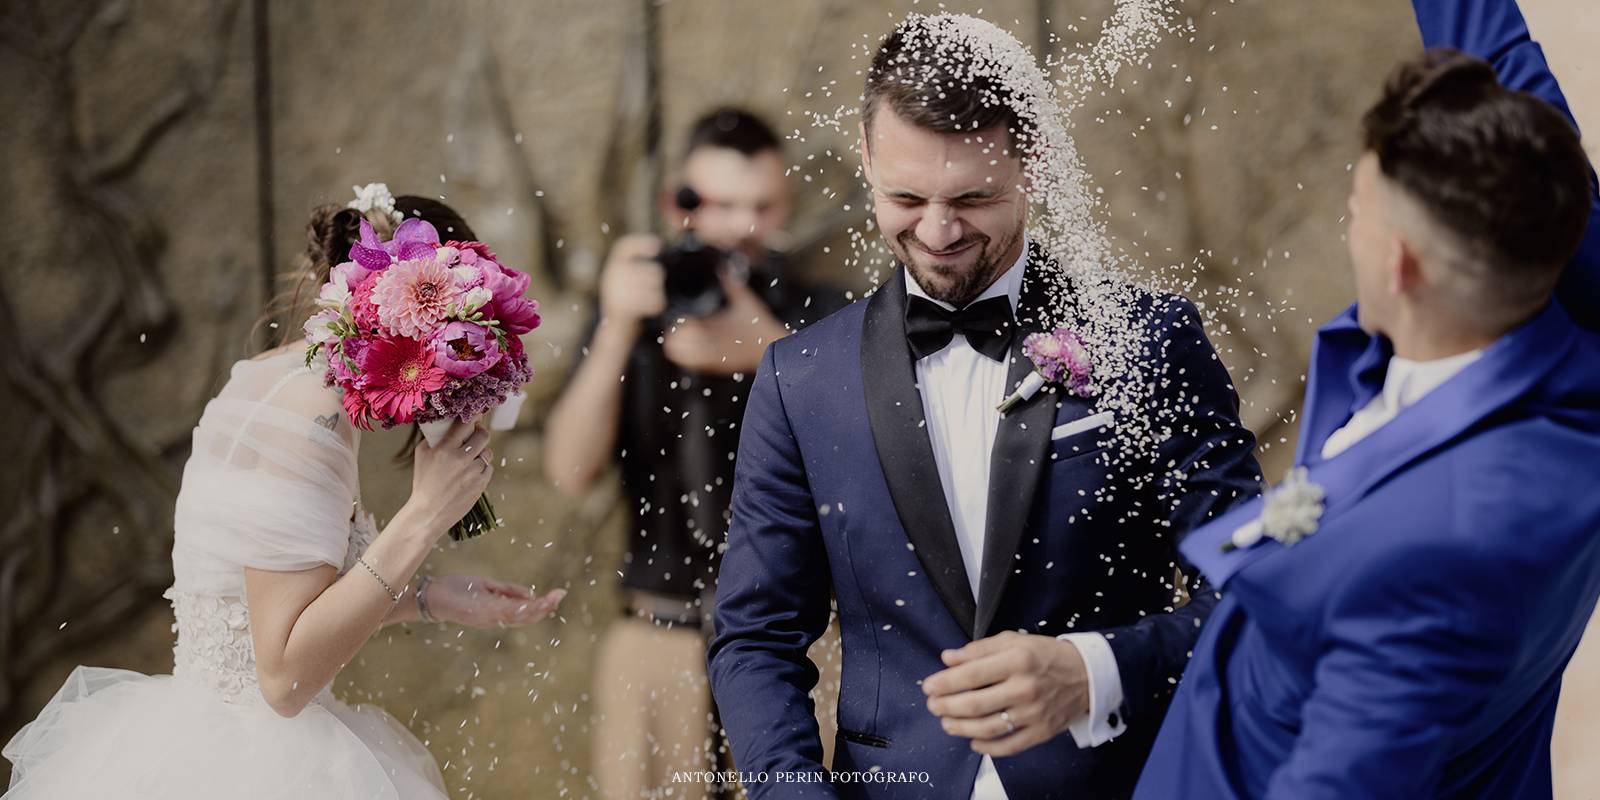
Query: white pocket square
[1089, 423]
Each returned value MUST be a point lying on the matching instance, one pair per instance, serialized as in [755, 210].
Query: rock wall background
[161, 156]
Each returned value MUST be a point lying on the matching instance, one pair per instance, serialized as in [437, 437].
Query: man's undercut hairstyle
[922, 79]
[1502, 171]
[732, 128]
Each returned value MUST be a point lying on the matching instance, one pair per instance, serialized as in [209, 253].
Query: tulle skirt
[118, 734]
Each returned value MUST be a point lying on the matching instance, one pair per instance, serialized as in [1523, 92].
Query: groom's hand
[1009, 692]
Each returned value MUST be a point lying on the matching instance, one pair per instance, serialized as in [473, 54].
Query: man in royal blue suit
[958, 543]
[1396, 624]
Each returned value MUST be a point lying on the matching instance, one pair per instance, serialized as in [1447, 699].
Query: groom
[958, 543]
[1412, 644]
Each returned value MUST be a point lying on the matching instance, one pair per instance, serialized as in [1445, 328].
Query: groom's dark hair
[921, 82]
[1501, 170]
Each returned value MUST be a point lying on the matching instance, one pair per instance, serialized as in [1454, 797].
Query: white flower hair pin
[375, 195]
[1290, 512]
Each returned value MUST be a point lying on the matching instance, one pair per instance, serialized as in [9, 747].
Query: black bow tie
[987, 324]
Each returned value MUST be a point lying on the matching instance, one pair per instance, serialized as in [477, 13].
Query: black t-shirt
[678, 436]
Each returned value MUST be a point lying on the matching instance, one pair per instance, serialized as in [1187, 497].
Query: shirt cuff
[1104, 721]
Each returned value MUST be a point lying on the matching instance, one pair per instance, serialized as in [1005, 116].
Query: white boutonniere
[1290, 512]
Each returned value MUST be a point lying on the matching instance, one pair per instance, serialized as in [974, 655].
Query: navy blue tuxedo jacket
[837, 495]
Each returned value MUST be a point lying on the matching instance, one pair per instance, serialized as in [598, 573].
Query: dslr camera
[692, 269]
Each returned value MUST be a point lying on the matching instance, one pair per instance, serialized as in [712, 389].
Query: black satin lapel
[1020, 448]
[894, 408]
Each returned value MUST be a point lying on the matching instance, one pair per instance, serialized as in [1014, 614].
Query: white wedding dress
[272, 485]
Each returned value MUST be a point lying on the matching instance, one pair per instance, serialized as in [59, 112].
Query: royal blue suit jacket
[837, 493]
[1413, 646]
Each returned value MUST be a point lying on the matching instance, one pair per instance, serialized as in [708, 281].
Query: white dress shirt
[1404, 384]
[960, 388]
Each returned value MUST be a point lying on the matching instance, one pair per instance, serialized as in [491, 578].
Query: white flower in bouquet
[322, 327]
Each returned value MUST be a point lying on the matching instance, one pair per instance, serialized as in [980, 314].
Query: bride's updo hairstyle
[330, 231]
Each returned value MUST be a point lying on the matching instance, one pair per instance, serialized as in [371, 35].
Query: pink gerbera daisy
[414, 295]
[396, 375]
[356, 408]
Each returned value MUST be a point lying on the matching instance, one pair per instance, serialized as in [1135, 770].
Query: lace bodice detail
[214, 646]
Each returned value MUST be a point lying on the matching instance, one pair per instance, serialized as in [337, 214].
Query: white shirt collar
[1405, 383]
[1408, 381]
[1008, 284]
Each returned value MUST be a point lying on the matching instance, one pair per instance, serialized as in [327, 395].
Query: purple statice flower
[470, 398]
[1060, 358]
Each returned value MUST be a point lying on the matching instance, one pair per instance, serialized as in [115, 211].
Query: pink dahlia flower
[413, 296]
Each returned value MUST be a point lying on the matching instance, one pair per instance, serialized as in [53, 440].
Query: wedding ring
[1011, 727]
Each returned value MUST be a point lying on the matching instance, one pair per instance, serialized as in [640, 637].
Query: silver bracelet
[386, 588]
[422, 599]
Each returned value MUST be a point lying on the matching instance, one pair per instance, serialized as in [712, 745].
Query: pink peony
[413, 296]
[396, 375]
[473, 252]
[516, 313]
[465, 349]
[514, 349]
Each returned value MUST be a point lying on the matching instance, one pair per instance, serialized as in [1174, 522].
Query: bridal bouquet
[413, 330]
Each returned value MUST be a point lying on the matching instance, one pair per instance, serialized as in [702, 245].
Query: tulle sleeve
[271, 483]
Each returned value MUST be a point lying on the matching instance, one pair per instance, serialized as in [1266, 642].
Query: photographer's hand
[632, 284]
[729, 341]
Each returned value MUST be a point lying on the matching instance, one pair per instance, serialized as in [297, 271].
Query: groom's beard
[956, 284]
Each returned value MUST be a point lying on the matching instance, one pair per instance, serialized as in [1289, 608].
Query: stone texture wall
[162, 155]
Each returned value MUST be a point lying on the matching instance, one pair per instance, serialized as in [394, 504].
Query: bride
[280, 576]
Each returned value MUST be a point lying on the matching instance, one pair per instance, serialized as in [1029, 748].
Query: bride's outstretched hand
[480, 602]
